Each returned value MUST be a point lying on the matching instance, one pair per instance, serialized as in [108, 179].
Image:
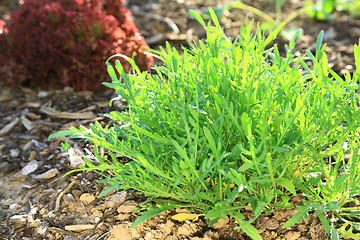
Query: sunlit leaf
[182, 217]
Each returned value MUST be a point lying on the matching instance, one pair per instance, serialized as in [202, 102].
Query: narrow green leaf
[281, 149]
[270, 168]
[325, 222]
[60, 134]
[152, 212]
[111, 72]
[319, 41]
[273, 35]
[214, 18]
[212, 143]
[197, 17]
[246, 125]
[334, 233]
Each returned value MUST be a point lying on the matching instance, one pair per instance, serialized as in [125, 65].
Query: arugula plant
[233, 124]
[268, 22]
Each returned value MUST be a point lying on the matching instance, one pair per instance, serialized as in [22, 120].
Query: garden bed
[36, 203]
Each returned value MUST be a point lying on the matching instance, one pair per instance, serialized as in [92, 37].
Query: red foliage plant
[47, 42]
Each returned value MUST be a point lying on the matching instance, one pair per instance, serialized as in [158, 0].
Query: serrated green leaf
[249, 229]
[296, 218]
[348, 234]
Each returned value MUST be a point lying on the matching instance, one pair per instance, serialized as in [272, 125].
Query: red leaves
[50, 42]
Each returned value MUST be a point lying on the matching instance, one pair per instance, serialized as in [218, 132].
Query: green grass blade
[152, 212]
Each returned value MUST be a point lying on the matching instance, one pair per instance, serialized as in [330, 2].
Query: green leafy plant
[268, 23]
[323, 9]
[232, 124]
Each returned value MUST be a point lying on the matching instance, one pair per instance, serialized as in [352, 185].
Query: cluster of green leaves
[268, 22]
[323, 9]
[232, 124]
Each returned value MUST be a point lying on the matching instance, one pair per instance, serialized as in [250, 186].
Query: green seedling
[233, 124]
[65, 146]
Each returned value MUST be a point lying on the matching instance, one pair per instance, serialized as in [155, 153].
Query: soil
[37, 203]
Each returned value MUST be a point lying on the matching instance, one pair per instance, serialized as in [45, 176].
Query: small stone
[120, 232]
[100, 208]
[271, 224]
[75, 158]
[97, 219]
[127, 206]
[39, 145]
[135, 233]
[185, 230]
[27, 146]
[49, 191]
[68, 89]
[69, 198]
[13, 206]
[123, 216]
[29, 168]
[292, 235]
[54, 145]
[3, 165]
[14, 153]
[18, 177]
[149, 236]
[42, 228]
[115, 199]
[87, 198]
[221, 223]
[32, 156]
[6, 202]
[43, 94]
[97, 213]
[47, 175]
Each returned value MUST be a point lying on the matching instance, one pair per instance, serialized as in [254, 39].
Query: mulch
[37, 202]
